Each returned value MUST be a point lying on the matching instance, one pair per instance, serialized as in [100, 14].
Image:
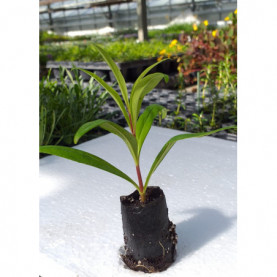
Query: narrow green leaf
[116, 72]
[60, 116]
[111, 127]
[42, 124]
[144, 86]
[69, 75]
[112, 92]
[85, 158]
[144, 73]
[170, 144]
[52, 127]
[145, 122]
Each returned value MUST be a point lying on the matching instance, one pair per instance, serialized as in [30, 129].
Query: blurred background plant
[65, 105]
[204, 46]
[121, 50]
[204, 57]
[216, 99]
[210, 60]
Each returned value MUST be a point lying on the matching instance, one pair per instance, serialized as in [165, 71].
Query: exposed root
[163, 248]
[149, 270]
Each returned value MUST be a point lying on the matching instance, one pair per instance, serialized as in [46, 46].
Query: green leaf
[112, 92]
[111, 127]
[231, 32]
[144, 73]
[143, 87]
[170, 144]
[85, 158]
[163, 113]
[52, 127]
[69, 75]
[42, 124]
[116, 72]
[145, 122]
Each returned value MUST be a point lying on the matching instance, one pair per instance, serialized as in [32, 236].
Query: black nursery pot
[149, 236]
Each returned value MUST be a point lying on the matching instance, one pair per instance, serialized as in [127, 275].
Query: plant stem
[132, 127]
[142, 195]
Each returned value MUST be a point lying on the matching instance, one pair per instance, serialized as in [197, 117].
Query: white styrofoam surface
[48, 267]
[80, 219]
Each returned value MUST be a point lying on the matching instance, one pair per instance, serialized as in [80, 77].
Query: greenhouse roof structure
[85, 4]
[64, 16]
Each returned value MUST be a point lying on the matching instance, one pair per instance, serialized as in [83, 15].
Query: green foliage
[46, 37]
[200, 119]
[65, 106]
[111, 127]
[212, 55]
[143, 87]
[120, 51]
[117, 74]
[112, 93]
[85, 158]
[202, 47]
[220, 82]
[217, 101]
[139, 129]
[171, 32]
[145, 122]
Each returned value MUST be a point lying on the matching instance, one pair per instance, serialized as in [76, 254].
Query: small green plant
[200, 119]
[179, 101]
[66, 105]
[139, 125]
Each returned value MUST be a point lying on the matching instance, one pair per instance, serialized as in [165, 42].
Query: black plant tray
[130, 70]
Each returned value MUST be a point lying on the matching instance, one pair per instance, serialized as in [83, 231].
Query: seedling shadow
[205, 225]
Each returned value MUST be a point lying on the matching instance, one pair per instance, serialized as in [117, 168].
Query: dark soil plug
[149, 236]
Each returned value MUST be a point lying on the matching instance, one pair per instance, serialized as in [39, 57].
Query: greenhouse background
[196, 39]
[82, 15]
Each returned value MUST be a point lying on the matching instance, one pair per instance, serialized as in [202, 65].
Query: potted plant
[149, 236]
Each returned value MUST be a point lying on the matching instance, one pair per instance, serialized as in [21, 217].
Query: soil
[150, 237]
[133, 199]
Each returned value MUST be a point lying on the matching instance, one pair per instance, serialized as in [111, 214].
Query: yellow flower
[206, 22]
[162, 52]
[214, 32]
[169, 55]
[194, 26]
[227, 18]
[179, 48]
[235, 12]
[159, 59]
[173, 42]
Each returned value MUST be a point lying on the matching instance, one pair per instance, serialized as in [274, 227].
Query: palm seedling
[139, 125]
